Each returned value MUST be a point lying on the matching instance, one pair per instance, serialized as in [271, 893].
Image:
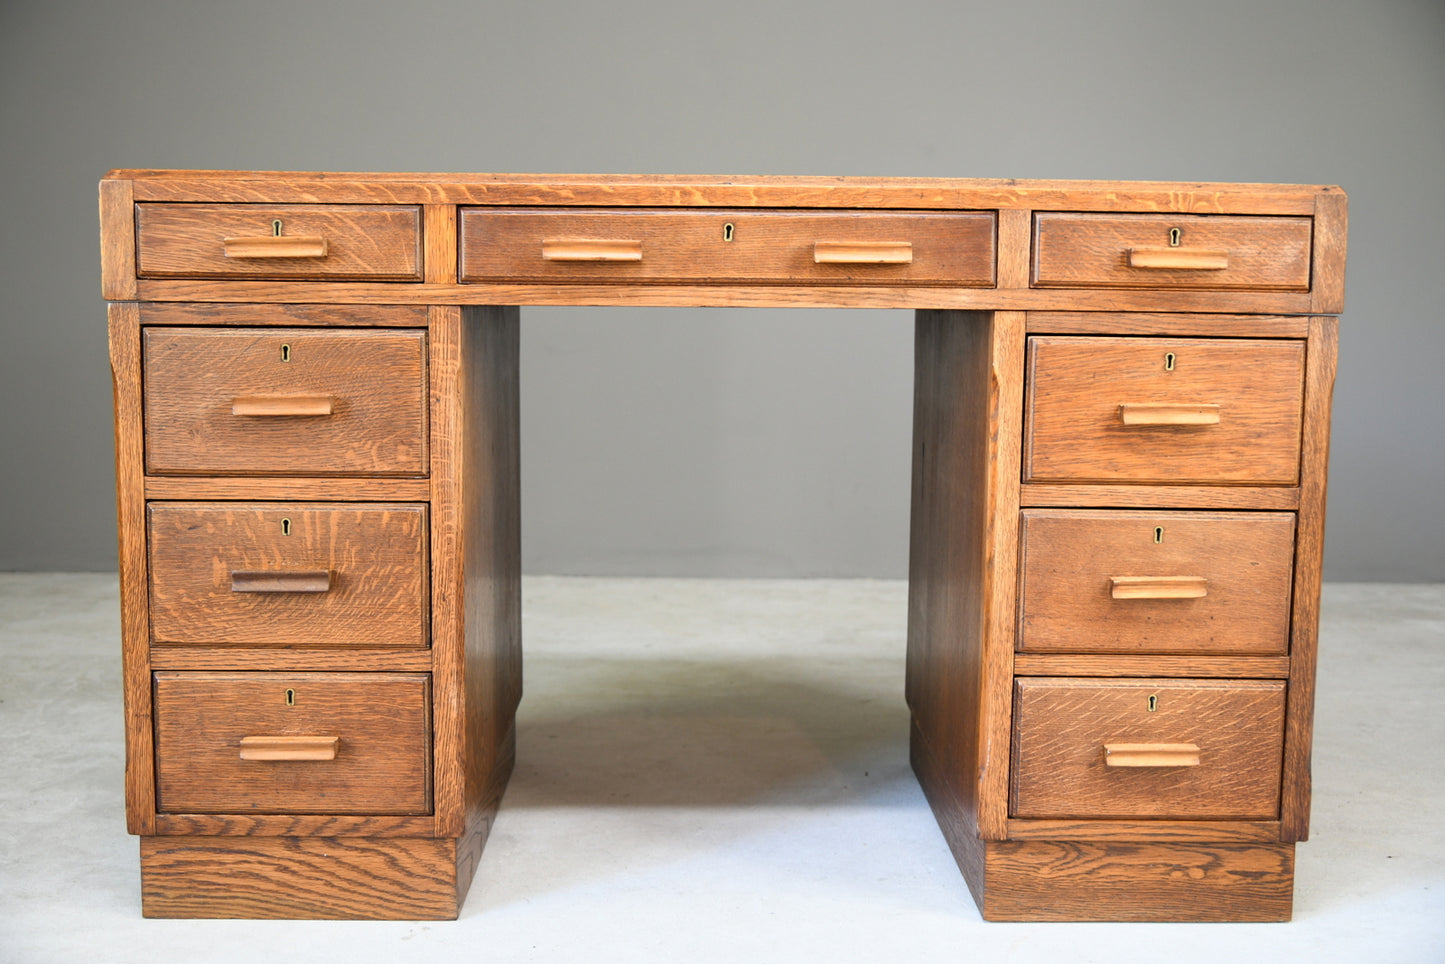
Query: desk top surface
[645, 190]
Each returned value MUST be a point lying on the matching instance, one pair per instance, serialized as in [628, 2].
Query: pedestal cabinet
[1120, 438]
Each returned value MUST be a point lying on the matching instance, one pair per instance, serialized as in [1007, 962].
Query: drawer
[285, 401]
[757, 247]
[1171, 251]
[293, 742]
[1163, 410]
[288, 574]
[1111, 581]
[355, 242]
[1179, 749]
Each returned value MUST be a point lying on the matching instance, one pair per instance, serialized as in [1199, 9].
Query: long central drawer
[601, 245]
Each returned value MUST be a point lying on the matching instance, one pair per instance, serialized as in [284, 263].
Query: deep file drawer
[285, 401]
[1183, 749]
[288, 574]
[293, 742]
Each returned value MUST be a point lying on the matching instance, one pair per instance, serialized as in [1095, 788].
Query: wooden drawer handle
[274, 405]
[1158, 413]
[1178, 259]
[863, 252]
[299, 580]
[275, 246]
[1158, 587]
[289, 747]
[1151, 755]
[584, 250]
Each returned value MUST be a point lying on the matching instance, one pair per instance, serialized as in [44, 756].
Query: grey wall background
[708, 442]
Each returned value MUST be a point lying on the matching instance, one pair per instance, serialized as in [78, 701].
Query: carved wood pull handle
[275, 246]
[1158, 587]
[1151, 755]
[573, 249]
[1159, 413]
[289, 747]
[297, 580]
[863, 252]
[1178, 259]
[273, 405]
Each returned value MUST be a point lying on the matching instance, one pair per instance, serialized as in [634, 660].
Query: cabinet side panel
[1308, 571]
[117, 241]
[125, 367]
[963, 561]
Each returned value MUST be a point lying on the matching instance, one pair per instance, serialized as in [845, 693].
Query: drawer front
[1163, 410]
[1121, 749]
[1111, 581]
[293, 743]
[768, 247]
[355, 242]
[285, 401]
[288, 574]
[1171, 251]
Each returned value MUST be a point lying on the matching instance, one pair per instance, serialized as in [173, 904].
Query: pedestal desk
[1120, 435]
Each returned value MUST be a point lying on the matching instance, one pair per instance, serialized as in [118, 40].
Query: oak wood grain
[696, 246]
[251, 488]
[1061, 727]
[1153, 323]
[376, 552]
[292, 825]
[1124, 664]
[327, 878]
[731, 296]
[1309, 572]
[179, 657]
[1138, 881]
[1197, 831]
[439, 262]
[723, 191]
[1124, 251]
[1072, 558]
[1077, 384]
[288, 316]
[340, 402]
[117, 241]
[1327, 284]
[125, 366]
[1159, 496]
[372, 242]
[381, 762]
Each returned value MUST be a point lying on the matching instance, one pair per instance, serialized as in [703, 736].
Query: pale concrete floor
[717, 771]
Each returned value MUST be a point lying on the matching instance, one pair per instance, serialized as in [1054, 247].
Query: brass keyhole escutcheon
[1169, 358]
[290, 697]
[1158, 534]
[285, 353]
[285, 527]
[276, 228]
[1153, 703]
[1174, 235]
[728, 231]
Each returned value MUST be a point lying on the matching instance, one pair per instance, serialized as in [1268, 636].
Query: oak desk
[1120, 432]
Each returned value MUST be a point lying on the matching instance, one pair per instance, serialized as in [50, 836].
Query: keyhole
[291, 697]
[276, 227]
[1153, 703]
[1158, 534]
[1174, 235]
[285, 352]
[1169, 361]
[728, 231]
[285, 527]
